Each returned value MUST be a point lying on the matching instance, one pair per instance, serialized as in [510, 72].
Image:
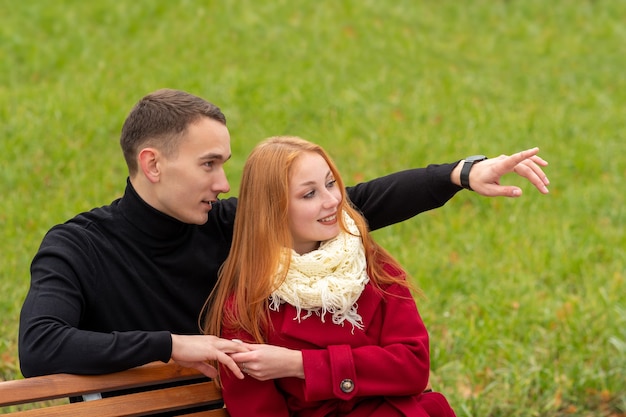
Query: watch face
[476, 158]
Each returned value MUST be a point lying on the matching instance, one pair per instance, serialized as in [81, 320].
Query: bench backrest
[161, 382]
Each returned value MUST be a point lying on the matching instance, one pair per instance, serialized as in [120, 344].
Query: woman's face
[313, 202]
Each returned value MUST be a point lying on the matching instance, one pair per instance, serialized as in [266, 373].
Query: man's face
[193, 178]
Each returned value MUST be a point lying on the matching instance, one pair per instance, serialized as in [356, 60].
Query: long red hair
[261, 232]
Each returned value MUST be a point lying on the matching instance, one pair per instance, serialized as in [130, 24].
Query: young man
[123, 285]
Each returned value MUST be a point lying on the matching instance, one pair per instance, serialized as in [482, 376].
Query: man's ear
[149, 164]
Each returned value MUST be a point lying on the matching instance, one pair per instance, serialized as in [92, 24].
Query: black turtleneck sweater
[109, 286]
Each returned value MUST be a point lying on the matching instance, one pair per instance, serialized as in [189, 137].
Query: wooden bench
[162, 382]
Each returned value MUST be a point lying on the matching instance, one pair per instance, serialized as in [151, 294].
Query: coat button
[347, 385]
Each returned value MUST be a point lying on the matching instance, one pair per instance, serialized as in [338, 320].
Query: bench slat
[50, 387]
[138, 404]
[219, 412]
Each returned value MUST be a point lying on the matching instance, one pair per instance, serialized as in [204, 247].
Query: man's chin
[200, 219]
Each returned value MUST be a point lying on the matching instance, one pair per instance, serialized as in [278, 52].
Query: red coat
[383, 368]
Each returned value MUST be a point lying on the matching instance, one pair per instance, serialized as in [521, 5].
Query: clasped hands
[260, 361]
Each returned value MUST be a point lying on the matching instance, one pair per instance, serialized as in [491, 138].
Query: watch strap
[465, 170]
[468, 163]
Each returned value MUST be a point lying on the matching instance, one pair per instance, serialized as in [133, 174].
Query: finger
[534, 174]
[496, 190]
[203, 367]
[537, 170]
[230, 364]
[206, 369]
[242, 357]
[539, 160]
[508, 164]
[256, 346]
[229, 346]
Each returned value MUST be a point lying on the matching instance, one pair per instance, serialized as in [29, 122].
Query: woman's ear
[148, 164]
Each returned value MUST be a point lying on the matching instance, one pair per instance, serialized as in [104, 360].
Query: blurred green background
[525, 298]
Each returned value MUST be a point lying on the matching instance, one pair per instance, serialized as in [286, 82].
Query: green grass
[525, 299]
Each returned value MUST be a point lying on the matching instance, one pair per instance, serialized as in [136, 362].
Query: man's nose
[221, 184]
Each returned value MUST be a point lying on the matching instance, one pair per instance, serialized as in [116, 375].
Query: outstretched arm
[485, 176]
[399, 196]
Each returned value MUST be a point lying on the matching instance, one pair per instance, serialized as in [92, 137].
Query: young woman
[304, 273]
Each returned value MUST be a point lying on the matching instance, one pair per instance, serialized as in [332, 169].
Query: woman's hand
[265, 362]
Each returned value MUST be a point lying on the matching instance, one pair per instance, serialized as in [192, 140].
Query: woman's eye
[309, 194]
[331, 184]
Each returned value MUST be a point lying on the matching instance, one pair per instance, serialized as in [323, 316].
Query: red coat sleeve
[395, 363]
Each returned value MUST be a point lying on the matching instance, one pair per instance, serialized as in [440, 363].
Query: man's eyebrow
[213, 156]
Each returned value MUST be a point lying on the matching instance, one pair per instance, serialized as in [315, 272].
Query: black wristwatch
[468, 163]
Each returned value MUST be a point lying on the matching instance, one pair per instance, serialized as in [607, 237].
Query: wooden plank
[65, 385]
[220, 412]
[137, 404]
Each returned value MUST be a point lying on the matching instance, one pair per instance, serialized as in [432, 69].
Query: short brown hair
[160, 119]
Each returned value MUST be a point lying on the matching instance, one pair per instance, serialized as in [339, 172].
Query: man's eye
[209, 164]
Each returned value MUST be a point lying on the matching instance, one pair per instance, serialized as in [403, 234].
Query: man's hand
[485, 176]
[265, 362]
[195, 351]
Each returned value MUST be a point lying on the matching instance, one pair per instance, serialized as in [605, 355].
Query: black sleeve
[50, 338]
[399, 196]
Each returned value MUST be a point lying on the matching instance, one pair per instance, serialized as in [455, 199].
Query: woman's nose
[331, 200]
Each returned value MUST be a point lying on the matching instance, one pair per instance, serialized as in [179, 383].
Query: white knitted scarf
[327, 280]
